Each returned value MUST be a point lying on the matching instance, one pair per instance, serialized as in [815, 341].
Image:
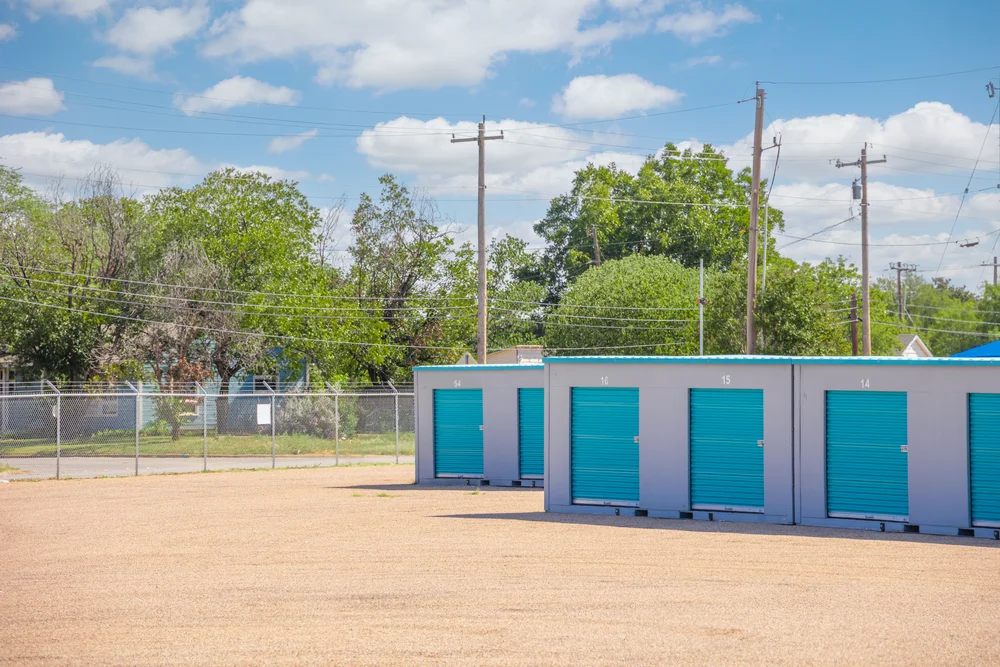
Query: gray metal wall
[664, 450]
[937, 429]
[500, 415]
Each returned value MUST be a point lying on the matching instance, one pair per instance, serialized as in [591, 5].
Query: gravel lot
[356, 566]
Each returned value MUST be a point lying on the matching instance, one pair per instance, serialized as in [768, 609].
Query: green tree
[803, 310]
[683, 205]
[260, 234]
[401, 272]
[68, 308]
[635, 305]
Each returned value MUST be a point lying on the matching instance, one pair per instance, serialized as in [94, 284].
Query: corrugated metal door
[866, 455]
[727, 449]
[984, 458]
[531, 431]
[458, 432]
[604, 445]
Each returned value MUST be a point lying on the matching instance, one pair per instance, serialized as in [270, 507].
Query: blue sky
[181, 88]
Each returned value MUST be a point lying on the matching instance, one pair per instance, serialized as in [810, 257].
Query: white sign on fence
[263, 414]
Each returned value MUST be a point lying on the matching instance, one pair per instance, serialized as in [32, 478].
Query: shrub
[316, 416]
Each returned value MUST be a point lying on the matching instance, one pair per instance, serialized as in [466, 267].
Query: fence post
[396, 405]
[336, 422]
[58, 425]
[274, 418]
[204, 425]
[138, 420]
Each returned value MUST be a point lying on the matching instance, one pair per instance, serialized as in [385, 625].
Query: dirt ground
[356, 566]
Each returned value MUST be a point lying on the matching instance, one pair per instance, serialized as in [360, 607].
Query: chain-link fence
[88, 431]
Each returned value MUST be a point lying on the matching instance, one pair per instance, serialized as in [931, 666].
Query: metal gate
[604, 444]
[531, 432]
[866, 455]
[458, 432]
[984, 458]
[727, 449]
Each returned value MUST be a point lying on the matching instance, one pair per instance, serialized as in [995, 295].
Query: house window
[109, 406]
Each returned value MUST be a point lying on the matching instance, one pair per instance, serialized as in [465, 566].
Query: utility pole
[994, 265]
[900, 269]
[758, 131]
[854, 324]
[866, 315]
[597, 247]
[481, 139]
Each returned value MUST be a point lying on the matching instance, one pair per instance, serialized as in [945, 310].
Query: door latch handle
[760, 443]
[904, 448]
[635, 439]
[481, 427]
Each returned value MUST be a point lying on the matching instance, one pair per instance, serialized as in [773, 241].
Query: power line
[947, 331]
[228, 291]
[349, 309]
[877, 245]
[825, 229]
[235, 332]
[894, 80]
[573, 305]
[220, 99]
[974, 167]
[195, 132]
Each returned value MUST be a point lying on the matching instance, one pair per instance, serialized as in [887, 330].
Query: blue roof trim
[766, 360]
[483, 367]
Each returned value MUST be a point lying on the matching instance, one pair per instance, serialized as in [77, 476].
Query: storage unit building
[699, 437]
[898, 444]
[480, 423]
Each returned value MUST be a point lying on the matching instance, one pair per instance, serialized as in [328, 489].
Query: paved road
[86, 466]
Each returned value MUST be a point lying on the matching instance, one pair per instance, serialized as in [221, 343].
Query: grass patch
[384, 494]
[475, 493]
[192, 445]
[357, 495]
[6, 469]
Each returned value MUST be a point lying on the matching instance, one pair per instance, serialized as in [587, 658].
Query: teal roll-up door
[458, 432]
[984, 458]
[604, 444]
[531, 431]
[727, 453]
[866, 455]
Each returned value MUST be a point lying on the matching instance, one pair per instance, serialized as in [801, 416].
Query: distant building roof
[988, 350]
[519, 354]
[913, 346]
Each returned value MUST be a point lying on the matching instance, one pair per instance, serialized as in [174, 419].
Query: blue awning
[988, 350]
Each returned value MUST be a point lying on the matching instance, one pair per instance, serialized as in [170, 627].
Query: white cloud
[526, 103]
[601, 96]
[703, 60]
[282, 144]
[45, 157]
[234, 92]
[274, 172]
[396, 45]
[931, 138]
[147, 30]
[7, 32]
[140, 67]
[902, 220]
[698, 24]
[80, 9]
[33, 96]
[533, 158]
